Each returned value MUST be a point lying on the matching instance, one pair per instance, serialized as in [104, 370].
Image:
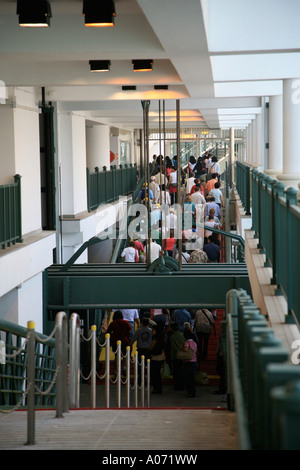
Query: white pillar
[291, 135]
[259, 141]
[249, 144]
[275, 136]
[72, 158]
[253, 143]
[97, 147]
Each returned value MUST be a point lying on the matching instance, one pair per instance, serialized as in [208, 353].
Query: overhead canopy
[219, 57]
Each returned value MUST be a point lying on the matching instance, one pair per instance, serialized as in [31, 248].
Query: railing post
[93, 366]
[278, 191]
[107, 369]
[31, 385]
[291, 199]
[118, 374]
[136, 379]
[17, 179]
[74, 379]
[128, 376]
[61, 347]
[142, 381]
[148, 382]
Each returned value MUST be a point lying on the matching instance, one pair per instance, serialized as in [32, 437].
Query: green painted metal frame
[11, 213]
[131, 286]
[276, 222]
[13, 373]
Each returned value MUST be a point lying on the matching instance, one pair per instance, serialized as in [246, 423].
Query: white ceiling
[218, 57]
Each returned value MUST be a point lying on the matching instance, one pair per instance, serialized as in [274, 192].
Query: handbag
[184, 355]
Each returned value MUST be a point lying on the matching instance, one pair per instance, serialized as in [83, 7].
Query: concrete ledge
[23, 261]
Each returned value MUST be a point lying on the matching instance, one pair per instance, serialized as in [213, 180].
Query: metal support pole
[143, 381]
[107, 368]
[128, 377]
[145, 105]
[31, 384]
[74, 379]
[179, 227]
[93, 366]
[148, 383]
[61, 347]
[160, 154]
[118, 374]
[136, 372]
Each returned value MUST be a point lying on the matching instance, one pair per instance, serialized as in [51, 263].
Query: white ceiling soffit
[253, 45]
[212, 54]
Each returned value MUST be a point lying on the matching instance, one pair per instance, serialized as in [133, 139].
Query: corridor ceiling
[218, 57]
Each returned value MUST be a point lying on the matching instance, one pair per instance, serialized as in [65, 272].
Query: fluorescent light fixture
[142, 65]
[99, 65]
[128, 87]
[99, 13]
[34, 14]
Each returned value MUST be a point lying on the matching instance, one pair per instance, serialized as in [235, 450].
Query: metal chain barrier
[62, 372]
[58, 378]
[117, 380]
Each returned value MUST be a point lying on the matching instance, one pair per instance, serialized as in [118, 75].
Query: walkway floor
[172, 423]
[120, 429]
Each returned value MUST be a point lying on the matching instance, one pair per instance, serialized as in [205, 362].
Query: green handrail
[13, 372]
[10, 213]
[276, 223]
[263, 385]
[108, 185]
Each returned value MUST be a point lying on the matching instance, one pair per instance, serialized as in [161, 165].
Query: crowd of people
[182, 216]
[163, 336]
[167, 336]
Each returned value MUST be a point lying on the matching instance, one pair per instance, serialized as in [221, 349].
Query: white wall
[20, 152]
[97, 147]
[71, 151]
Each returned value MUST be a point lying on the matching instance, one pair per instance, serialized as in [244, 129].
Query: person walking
[204, 321]
[189, 365]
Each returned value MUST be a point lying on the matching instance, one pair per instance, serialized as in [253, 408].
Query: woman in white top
[129, 254]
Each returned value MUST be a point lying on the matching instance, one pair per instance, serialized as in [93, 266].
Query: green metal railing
[13, 370]
[10, 213]
[276, 223]
[242, 181]
[263, 386]
[108, 185]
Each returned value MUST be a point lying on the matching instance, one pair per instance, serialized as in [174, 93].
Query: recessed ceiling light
[142, 65]
[99, 13]
[33, 14]
[99, 65]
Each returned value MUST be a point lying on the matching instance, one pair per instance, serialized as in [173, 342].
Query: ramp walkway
[123, 430]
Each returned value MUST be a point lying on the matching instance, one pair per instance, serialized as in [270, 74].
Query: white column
[258, 140]
[253, 143]
[275, 136]
[72, 159]
[97, 147]
[249, 144]
[291, 135]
